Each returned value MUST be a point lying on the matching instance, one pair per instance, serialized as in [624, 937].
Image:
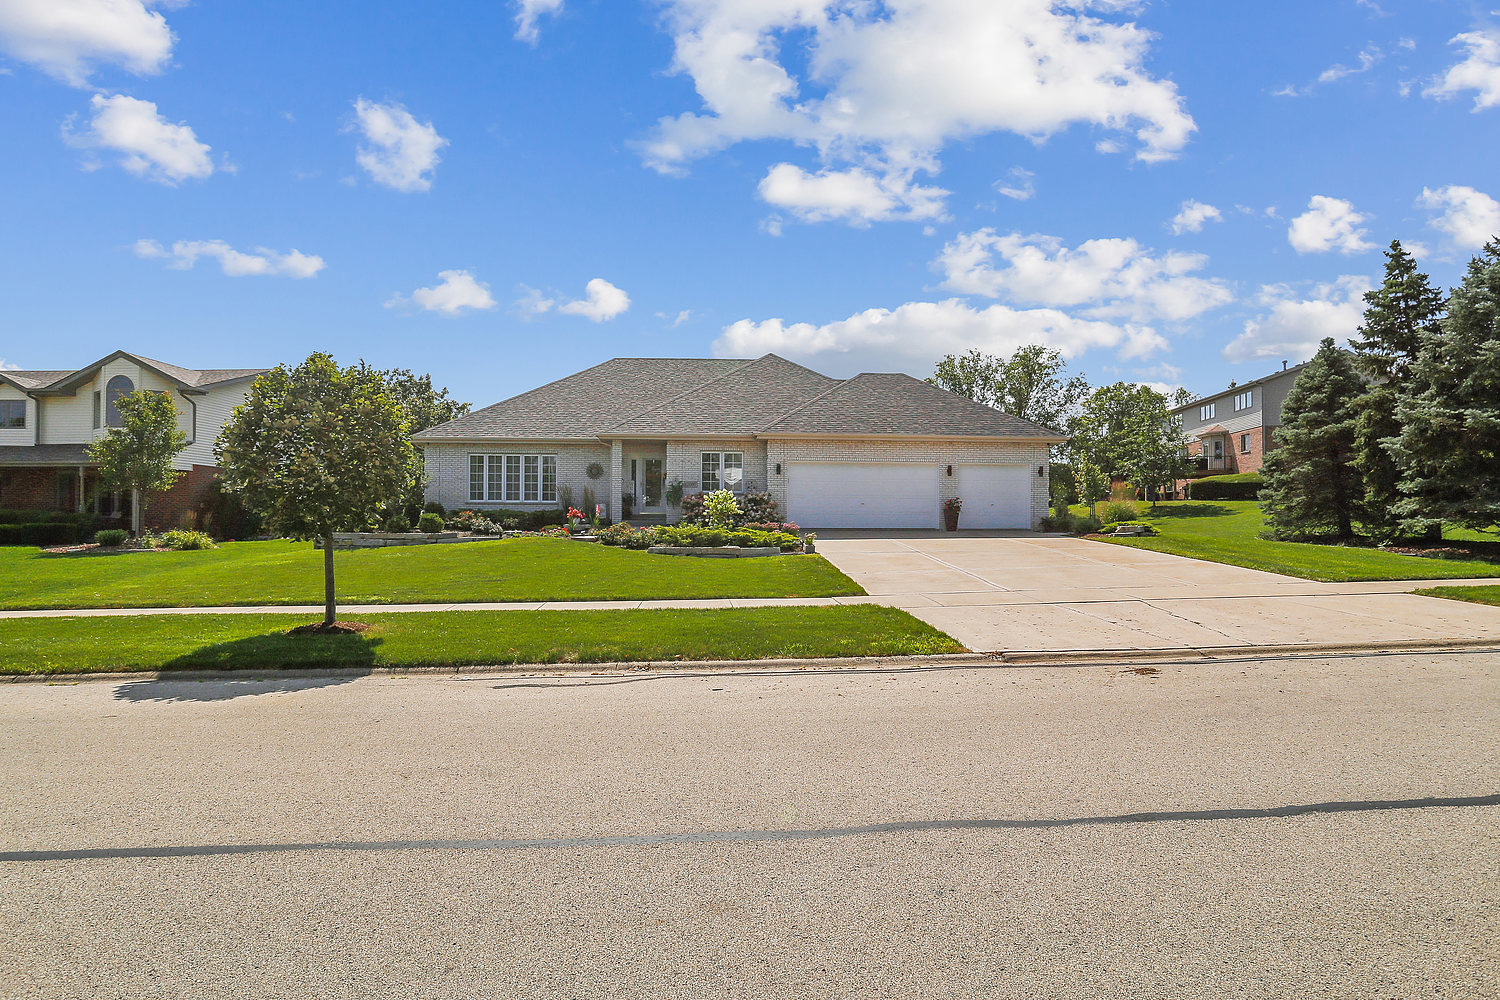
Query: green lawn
[518, 569]
[1227, 531]
[1474, 595]
[486, 638]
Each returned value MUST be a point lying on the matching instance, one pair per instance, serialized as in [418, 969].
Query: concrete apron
[1037, 594]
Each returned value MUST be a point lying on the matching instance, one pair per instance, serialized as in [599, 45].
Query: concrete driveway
[1025, 593]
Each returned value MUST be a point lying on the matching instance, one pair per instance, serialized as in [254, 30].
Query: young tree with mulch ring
[317, 449]
[1312, 488]
[137, 455]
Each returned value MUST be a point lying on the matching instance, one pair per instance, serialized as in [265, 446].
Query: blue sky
[503, 193]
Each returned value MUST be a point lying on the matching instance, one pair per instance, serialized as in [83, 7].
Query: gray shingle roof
[34, 380]
[191, 378]
[889, 403]
[717, 396]
[741, 401]
[45, 454]
[584, 405]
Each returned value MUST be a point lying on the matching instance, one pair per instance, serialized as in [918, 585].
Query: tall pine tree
[1449, 447]
[1398, 314]
[1312, 488]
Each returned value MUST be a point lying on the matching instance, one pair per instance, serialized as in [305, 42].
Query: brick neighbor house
[872, 451]
[48, 418]
[1232, 430]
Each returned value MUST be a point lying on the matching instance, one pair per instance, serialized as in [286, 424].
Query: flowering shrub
[473, 522]
[721, 509]
[758, 508]
[786, 526]
[627, 536]
[953, 506]
[178, 538]
[692, 509]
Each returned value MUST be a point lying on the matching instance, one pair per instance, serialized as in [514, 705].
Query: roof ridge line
[748, 363]
[837, 384]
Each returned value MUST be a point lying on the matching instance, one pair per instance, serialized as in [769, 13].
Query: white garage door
[995, 496]
[862, 495]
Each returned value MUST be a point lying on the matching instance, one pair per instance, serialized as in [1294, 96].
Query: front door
[647, 482]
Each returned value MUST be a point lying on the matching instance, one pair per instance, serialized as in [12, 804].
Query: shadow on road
[199, 689]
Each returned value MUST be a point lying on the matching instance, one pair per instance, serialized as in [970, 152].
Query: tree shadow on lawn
[1188, 508]
[272, 651]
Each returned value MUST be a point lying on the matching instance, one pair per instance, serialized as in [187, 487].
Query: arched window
[118, 386]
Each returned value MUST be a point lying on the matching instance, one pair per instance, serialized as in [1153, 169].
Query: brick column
[616, 480]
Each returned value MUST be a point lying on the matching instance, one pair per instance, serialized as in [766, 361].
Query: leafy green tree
[1114, 421]
[423, 407]
[1155, 454]
[1399, 314]
[1032, 383]
[137, 455]
[1093, 482]
[317, 449]
[1449, 446]
[1312, 488]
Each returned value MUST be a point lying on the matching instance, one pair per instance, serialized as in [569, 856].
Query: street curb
[1015, 658]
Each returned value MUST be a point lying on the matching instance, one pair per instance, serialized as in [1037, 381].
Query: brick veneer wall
[38, 489]
[30, 489]
[178, 507]
[448, 472]
[939, 453]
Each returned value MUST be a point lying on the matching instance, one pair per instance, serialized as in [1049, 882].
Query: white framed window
[723, 470]
[515, 478]
[12, 414]
[1244, 444]
[1245, 400]
[1206, 411]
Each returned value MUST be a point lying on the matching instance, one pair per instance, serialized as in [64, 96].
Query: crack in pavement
[762, 836]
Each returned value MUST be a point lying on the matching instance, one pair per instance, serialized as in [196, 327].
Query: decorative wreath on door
[595, 470]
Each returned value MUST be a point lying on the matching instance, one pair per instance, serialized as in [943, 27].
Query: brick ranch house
[48, 418]
[1233, 430]
[872, 451]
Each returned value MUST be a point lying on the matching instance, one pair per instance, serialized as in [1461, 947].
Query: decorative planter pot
[950, 520]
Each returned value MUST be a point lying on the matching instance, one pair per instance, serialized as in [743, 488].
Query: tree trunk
[330, 603]
[137, 513]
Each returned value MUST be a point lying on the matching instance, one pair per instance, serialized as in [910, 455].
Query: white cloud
[399, 151]
[1019, 184]
[7, 366]
[1292, 324]
[1328, 224]
[68, 38]
[185, 253]
[1479, 71]
[673, 322]
[886, 85]
[148, 145]
[1192, 215]
[455, 291]
[1113, 278]
[602, 301]
[1470, 217]
[1368, 57]
[911, 335]
[854, 196]
[528, 12]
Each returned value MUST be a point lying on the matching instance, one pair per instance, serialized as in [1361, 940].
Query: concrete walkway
[1043, 593]
[1036, 593]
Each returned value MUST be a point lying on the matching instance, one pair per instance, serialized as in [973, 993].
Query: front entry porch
[644, 485]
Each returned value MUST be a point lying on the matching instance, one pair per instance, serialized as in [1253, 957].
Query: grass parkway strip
[461, 638]
[1474, 595]
[518, 569]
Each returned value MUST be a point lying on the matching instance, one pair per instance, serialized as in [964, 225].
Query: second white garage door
[995, 496]
[862, 495]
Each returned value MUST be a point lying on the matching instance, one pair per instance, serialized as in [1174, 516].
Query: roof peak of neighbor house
[1238, 386]
[186, 378]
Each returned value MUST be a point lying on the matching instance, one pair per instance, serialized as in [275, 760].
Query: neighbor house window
[12, 414]
[1245, 400]
[518, 478]
[723, 470]
[1244, 444]
[96, 409]
[1206, 412]
[118, 388]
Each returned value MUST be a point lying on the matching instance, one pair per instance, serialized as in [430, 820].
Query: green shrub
[1112, 528]
[112, 538]
[430, 522]
[722, 509]
[692, 535]
[626, 536]
[183, 540]
[1120, 510]
[758, 508]
[434, 508]
[1086, 524]
[1060, 520]
[692, 509]
[397, 523]
[1246, 486]
[473, 522]
[46, 533]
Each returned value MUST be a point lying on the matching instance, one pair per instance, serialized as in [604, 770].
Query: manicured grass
[452, 638]
[1227, 531]
[518, 569]
[1474, 595]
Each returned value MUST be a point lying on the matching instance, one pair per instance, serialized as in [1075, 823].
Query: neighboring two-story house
[1233, 429]
[48, 419]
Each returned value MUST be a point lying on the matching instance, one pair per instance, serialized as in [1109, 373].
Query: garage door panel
[995, 496]
[862, 495]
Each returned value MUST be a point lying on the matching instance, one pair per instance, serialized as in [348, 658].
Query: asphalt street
[1274, 827]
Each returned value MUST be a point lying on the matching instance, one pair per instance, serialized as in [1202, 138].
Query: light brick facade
[448, 472]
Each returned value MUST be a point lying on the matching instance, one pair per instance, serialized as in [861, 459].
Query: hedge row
[46, 533]
[1244, 487]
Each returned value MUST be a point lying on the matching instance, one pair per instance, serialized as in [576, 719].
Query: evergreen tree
[1312, 488]
[1398, 314]
[1449, 446]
